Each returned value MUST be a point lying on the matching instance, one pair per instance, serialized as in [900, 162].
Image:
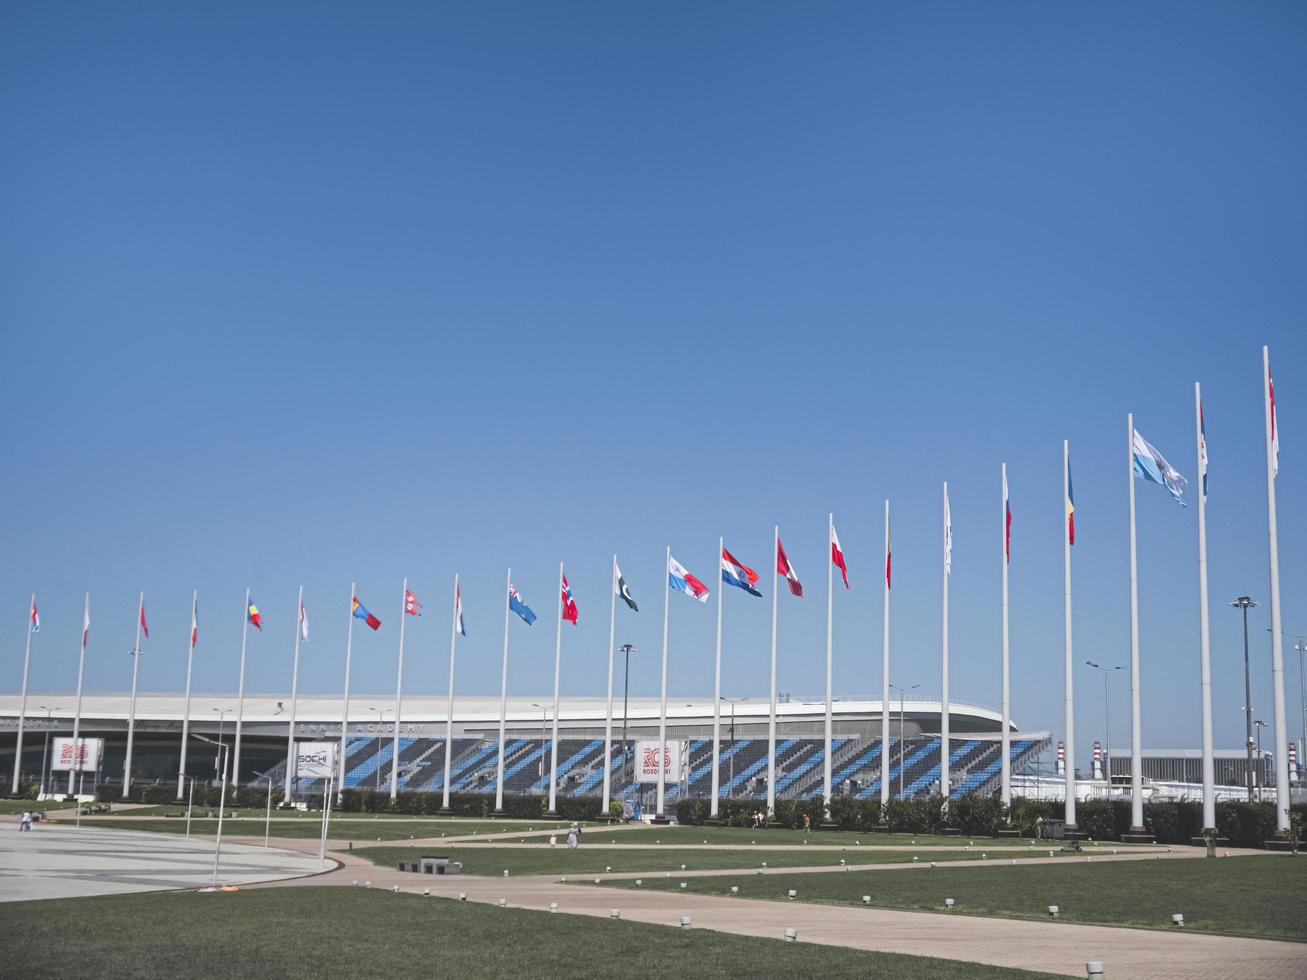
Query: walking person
[25, 824]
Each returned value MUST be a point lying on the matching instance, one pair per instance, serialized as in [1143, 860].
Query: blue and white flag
[1202, 451]
[1152, 466]
[516, 604]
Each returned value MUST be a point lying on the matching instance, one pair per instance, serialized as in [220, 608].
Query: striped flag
[195, 625]
[1275, 429]
[837, 555]
[1070, 506]
[784, 567]
[1007, 523]
[458, 611]
[304, 622]
[36, 617]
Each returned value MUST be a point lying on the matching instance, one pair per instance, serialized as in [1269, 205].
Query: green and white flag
[625, 592]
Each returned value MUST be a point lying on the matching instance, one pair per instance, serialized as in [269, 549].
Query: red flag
[144, 626]
[411, 604]
[837, 556]
[195, 628]
[570, 612]
[784, 567]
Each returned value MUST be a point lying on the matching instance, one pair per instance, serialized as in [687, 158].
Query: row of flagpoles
[1144, 462]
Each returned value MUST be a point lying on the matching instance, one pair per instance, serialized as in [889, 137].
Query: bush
[978, 815]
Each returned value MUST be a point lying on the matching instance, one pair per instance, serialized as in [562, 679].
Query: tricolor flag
[1152, 467]
[411, 604]
[1007, 523]
[145, 627]
[195, 626]
[837, 556]
[360, 612]
[256, 617]
[1202, 451]
[948, 535]
[516, 604]
[304, 623]
[682, 581]
[623, 591]
[1275, 429]
[738, 574]
[458, 611]
[570, 612]
[784, 567]
[1070, 506]
[36, 618]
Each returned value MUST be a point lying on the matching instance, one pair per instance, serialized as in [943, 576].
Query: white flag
[304, 622]
[948, 536]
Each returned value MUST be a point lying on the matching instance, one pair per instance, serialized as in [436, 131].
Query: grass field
[1262, 897]
[19, 806]
[593, 858]
[746, 836]
[317, 932]
[251, 822]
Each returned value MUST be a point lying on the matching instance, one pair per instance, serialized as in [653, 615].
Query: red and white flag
[784, 567]
[86, 623]
[304, 623]
[195, 626]
[570, 612]
[145, 627]
[411, 604]
[36, 617]
[1275, 429]
[837, 556]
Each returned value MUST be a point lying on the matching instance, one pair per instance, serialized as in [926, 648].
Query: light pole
[222, 800]
[381, 721]
[45, 752]
[219, 771]
[1107, 716]
[884, 763]
[1260, 765]
[627, 649]
[1245, 603]
[544, 718]
[190, 803]
[732, 702]
[267, 813]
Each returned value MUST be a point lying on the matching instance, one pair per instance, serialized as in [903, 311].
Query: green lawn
[592, 858]
[1263, 897]
[770, 837]
[250, 822]
[19, 806]
[353, 932]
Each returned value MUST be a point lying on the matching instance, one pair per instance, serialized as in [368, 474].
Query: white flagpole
[449, 708]
[1005, 780]
[1136, 738]
[662, 713]
[830, 610]
[131, 710]
[399, 687]
[771, 717]
[884, 677]
[608, 719]
[943, 696]
[294, 694]
[558, 662]
[77, 715]
[186, 714]
[22, 710]
[503, 702]
[717, 691]
[1277, 637]
[1204, 634]
[344, 707]
[1068, 660]
[240, 697]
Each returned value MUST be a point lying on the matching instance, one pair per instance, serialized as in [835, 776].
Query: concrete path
[68, 862]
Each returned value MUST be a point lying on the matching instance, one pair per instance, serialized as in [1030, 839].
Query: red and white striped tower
[1098, 759]
[1293, 762]
[1061, 758]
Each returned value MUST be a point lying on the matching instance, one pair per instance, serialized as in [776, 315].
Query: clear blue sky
[326, 293]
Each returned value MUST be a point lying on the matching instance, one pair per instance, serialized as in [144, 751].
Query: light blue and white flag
[1150, 465]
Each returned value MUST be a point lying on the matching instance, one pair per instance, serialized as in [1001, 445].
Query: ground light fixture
[685, 922]
[553, 906]
[503, 903]
[948, 903]
[1053, 911]
[614, 913]
[426, 893]
[735, 889]
[793, 893]
[866, 899]
[1178, 920]
[462, 896]
[1094, 970]
[639, 882]
[791, 935]
[683, 884]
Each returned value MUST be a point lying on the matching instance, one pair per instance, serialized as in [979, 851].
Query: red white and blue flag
[570, 612]
[36, 617]
[837, 555]
[1275, 429]
[738, 574]
[1007, 523]
[458, 611]
[304, 622]
[412, 605]
[784, 567]
[682, 581]
[195, 624]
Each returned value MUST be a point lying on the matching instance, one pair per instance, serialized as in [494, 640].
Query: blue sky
[321, 294]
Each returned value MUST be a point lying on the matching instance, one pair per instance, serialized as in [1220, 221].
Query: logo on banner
[77, 755]
[314, 760]
[650, 754]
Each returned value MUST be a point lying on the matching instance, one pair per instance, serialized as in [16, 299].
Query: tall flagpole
[449, 708]
[131, 710]
[884, 677]
[558, 662]
[1277, 637]
[294, 694]
[830, 609]
[662, 712]
[77, 714]
[1068, 662]
[1136, 739]
[608, 719]
[240, 697]
[717, 693]
[771, 717]
[344, 707]
[1204, 635]
[943, 696]
[1005, 780]
[186, 714]
[399, 687]
[503, 702]
[22, 710]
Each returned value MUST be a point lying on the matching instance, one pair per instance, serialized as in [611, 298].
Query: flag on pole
[1152, 467]
[738, 574]
[889, 559]
[195, 627]
[1202, 451]
[948, 536]
[1070, 506]
[1007, 524]
[682, 581]
[516, 604]
[256, 617]
[86, 624]
[458, 611]
[784, 567]
[412, 605]
[570, 612]
[360, 612]
[145, 627]
[624, 592]
[1275, 429]
[837, 556]
[36, 618]
[304, 623]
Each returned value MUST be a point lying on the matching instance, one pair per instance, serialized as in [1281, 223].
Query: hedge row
[1244, 824]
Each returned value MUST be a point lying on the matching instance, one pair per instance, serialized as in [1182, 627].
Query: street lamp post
[381, 722]
[731, 778]
[1260, 764]
[1245, 603]
[45, 752]
[884, 763]
[626, 649]
[544, 719]
[267, 813]
[219, 771]
[1107, 717]
[222, 798]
